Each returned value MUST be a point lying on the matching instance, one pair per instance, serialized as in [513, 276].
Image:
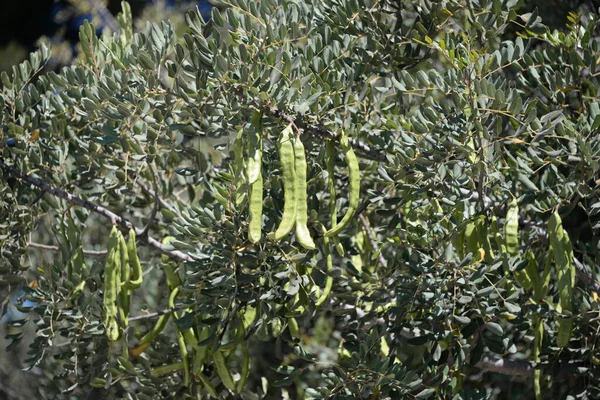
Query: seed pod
[135, 280]
[124, 298]
[562, 252]
[353, 190]
[111, 271]
[302, 233]
[286, 155]
[255, 213]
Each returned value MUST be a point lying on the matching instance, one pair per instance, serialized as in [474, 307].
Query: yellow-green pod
[255, 211]
[512, 242]
[245, 373]
[538, 330]
[112, 269]
[293, 327]
[124, 299]
[286, 156]
[135, 280]
[302, 232]
[353, 187]
[562, 253]
[223, 371]
[329, 266]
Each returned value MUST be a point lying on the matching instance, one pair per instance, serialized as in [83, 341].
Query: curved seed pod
[238, 167]
[255, 179]
[150, 336]
[124, 299]
[209, 387]
[562, 251]
[353, 190]
[538, 331]
[254, 147]
[302, 233]
[330, 160]
[136, 279]
[329, 266]
[484, 237]
[111, 272]
[512, 243]
[167, 369]
[182, 345]
[511, 229]
[286, 155]
[173, 279]
[255, 212]
[293, 327]
[223, 371]
[245, 372]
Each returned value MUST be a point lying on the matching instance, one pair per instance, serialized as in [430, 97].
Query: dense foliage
[469, 266]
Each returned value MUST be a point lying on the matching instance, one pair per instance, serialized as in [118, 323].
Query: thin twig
[151, 193]
[505, 367]
[583, 276]
[156, 203]
[374, 245]
[56, 249]
[78, 201]
[153, 315]
[319, 130]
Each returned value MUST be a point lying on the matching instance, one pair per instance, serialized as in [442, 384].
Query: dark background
[24, 22]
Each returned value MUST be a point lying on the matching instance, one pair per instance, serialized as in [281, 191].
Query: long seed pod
[538, 330]
[223, 370]
[255, 179]
[135, 280]
[124, 297]
[111, 270]
[286, 155]
[328, 279]
[562, 251]
[330, 160]
[511, 234]
[353, 187]
[150, 336]
[255, 211]
[181, 342]
[173, 279]
[302, 232]
[254, 148]
[238, 167]
[245, 372]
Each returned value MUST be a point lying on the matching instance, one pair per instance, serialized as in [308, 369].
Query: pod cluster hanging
[294, 170]
[122, 273]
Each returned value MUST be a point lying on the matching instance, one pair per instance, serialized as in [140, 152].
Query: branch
[505, 367]
[156, 203]
[319, 130]
[583, 276]
[57, 249]
[524, 368]
[78, 201]
[153, 315]
[151, 193]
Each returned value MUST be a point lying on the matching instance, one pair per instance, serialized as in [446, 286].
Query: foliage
[471, 257]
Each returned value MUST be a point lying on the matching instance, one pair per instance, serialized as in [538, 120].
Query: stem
[318, 130]
[78, 201]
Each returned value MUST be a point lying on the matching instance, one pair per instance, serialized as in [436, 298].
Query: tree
[457, 140]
